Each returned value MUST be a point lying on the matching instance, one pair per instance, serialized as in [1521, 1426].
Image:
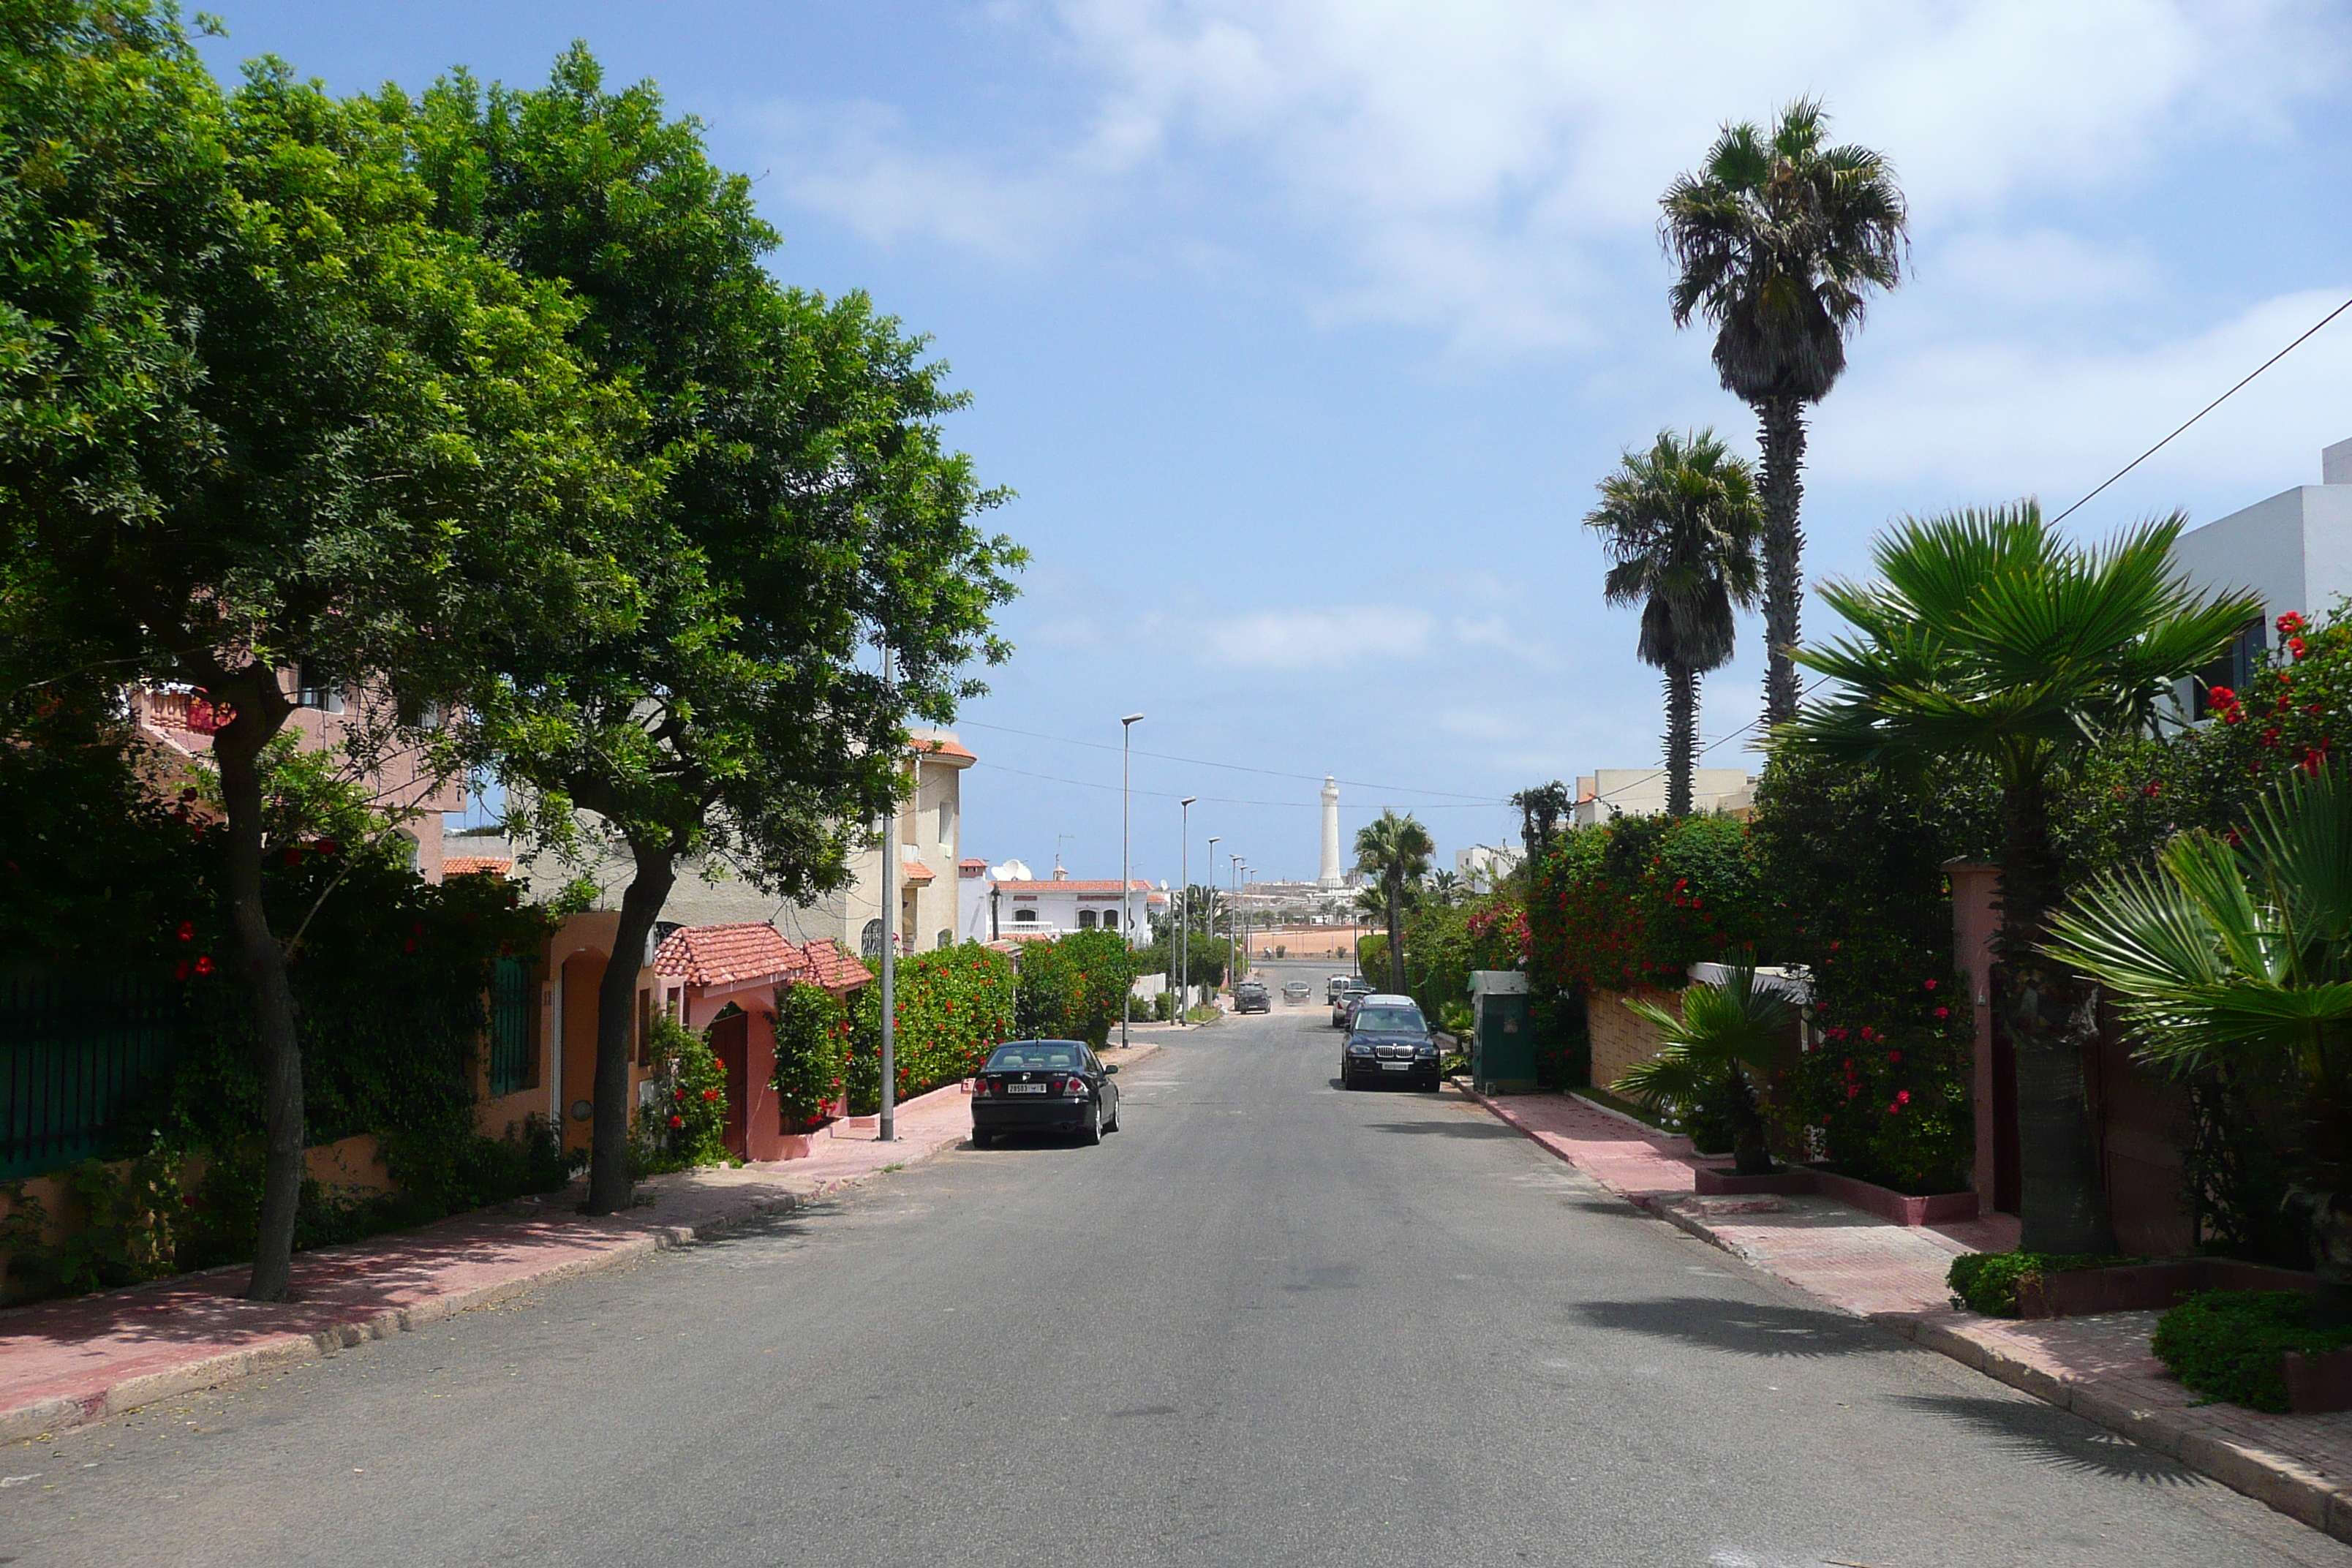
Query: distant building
[1022, 908]
[1641, 792]
[1485, 865]
[2293, 551]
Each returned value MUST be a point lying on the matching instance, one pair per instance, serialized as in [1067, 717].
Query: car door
[1106, 1091]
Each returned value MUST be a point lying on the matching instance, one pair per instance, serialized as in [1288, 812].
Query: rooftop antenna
[1060, 839]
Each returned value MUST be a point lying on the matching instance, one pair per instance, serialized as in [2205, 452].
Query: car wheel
[1092, 1133]
[1112, 1125]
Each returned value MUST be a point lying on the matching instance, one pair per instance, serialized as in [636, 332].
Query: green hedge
[2231, 1344]
[1986, 1282]
[953, 1007]
[1638, 901]
[1071, 988]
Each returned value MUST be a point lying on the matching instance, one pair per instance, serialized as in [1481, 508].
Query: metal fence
[79, 1055]
[514, 1012]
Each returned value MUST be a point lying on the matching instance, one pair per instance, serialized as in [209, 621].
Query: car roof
[1391, 999]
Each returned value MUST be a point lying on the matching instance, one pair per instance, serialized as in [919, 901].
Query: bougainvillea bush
[1851, 860]
[1071, 987]
[812, 1029]
[1638, 901]
[1444, 943]
[953, 1007]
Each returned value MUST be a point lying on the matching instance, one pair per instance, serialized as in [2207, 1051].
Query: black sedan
[1389, 1041]
[1043, 1086]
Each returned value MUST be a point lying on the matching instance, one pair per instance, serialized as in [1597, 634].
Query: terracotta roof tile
[475, 864]
[918, 873]
[947, 749]
[823, 963]
[725, 954]
[1070, 884]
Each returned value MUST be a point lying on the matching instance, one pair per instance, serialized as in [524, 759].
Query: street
[1266, 1323]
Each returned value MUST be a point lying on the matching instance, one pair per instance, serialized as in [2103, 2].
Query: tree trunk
[2060, 1202]
[236, 753]
[610, 1190]
[1395, 881]
[1681, 736]
[1782, 418]
[1752, 1152]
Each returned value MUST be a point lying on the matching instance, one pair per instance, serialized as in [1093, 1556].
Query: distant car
[1336, 983]
[1389, 1041]
[1295, 992]
[1043, 1085]
[1345, 1008]
[1249, 997]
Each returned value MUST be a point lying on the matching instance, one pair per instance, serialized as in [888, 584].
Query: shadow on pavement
[2044, 1435]
[1464, 1129]
[1742, 1328]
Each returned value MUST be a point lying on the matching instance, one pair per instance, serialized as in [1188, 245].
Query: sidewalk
[2099, 1367]
[65, 1362]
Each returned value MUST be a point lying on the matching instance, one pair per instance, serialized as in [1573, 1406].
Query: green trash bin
[1503, 1042]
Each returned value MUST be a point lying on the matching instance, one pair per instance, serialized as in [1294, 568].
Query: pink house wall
[763, 1117]
[1976, 919]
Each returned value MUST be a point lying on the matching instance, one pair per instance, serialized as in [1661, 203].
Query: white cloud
[1312, 640]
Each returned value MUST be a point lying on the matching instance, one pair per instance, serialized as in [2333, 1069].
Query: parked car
[1295, 992]
[1345, 1008]
[1336, 983]
[1249, 997]
[1043, 1085]
[1388, 1041]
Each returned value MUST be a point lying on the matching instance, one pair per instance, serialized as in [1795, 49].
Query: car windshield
[1032, 1054]
[1392, 1020]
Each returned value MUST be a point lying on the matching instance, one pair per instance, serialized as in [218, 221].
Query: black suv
[1388, 1040]
[1249, 997]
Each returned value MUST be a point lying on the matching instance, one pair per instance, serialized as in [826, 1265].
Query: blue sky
[1304, 328]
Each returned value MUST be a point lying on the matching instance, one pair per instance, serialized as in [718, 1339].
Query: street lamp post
[1184, 922]
[1234, 918]
[1210, 931]
[1126, 872]
[886, 1126]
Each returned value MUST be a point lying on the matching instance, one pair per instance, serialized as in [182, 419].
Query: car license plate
[1024, 1088]
[1396, 1067]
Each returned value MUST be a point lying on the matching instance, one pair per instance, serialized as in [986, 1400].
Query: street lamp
[1211, 929]
[1184, 903]
[1233, 916]
[1126, 871]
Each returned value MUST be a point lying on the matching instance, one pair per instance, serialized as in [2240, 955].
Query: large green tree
[1679, 522]
[1396, 850]
[1780, 238]
[809, 516]
[263, 416]
[1990, 641]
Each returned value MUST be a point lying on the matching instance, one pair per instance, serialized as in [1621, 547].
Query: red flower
[1929, 985]
[327, 847]
[2290, 625]
[2295, 646]
[293, 856]
[2221, 696]
[2314, 759]
[204, 964]
[1894, 1055]
[2153, 789]
[2271, 736]
[1943, 1011]
[1893, 1109]
[677, 1121]
[187, 931]
[677, 1094]
[180, 971]
[1902, 1096]
[710, 1094]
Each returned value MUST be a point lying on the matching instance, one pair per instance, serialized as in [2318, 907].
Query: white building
[1611, 793]
[1483, 866]
[1024, 908]
[2293, 551]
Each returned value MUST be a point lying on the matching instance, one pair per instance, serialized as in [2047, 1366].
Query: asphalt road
[1269, 1322]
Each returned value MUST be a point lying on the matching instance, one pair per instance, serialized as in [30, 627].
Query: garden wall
[1621, 1037]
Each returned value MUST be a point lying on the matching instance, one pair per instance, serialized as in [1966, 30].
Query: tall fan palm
[1680, 522]
[1990, 640]
[1396, 849]
[1779, 238]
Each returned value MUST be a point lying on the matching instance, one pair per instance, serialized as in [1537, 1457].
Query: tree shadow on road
[1464, 1129]
[2044, 1435]
[1741, 1328]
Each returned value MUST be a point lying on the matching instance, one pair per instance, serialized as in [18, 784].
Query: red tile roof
[726, 954]
[823, 964]
[918, 873]
[948, 750]
[475, 864]
[1109, 885]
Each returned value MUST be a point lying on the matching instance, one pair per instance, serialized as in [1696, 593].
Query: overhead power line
[1237, 767]
[1227, 800]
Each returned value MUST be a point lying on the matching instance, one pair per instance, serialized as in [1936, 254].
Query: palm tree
[1779, 238]
[1447, 886]
[1396, 849]
[1728, 1037]
[1680, 522]
[1988, 641]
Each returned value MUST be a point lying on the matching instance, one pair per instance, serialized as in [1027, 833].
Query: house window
[2235, 668]
[1024, 917]
[947, 939]
[869, 941]
[1110, 919]
[947, 821]
[1085, 920]
[312, 690]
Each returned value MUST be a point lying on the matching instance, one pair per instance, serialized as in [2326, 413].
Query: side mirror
[1108, 1069]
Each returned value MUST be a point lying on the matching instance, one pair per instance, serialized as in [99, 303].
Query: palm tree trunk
[1395, 880]
[610, 1190]
[2061, 1200]
[1783, 438]
[1752, 1152]
[1681, 736]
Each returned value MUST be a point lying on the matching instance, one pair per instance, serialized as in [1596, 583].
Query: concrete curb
[2290, 1487]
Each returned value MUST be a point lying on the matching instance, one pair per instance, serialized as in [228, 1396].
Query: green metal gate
[80, 1053]
[514, 1013]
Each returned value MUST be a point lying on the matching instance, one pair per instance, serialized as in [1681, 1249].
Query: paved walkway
[63, 1362]
[2099, 1367]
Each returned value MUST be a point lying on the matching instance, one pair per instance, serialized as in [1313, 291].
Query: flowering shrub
[1444, 943]
[953, 1007]
[685, 1123]
[1638, 901]
[812, 1029]
[1071, 987]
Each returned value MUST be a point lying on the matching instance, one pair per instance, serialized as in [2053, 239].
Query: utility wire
[1237, 767]
[1226, 800]
[2200, 414]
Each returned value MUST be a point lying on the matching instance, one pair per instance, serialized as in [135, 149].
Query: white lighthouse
[1330, 877]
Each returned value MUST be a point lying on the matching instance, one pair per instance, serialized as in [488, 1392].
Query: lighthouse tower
[1330, 877]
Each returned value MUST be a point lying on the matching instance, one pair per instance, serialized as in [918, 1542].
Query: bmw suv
[1388, 1041]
